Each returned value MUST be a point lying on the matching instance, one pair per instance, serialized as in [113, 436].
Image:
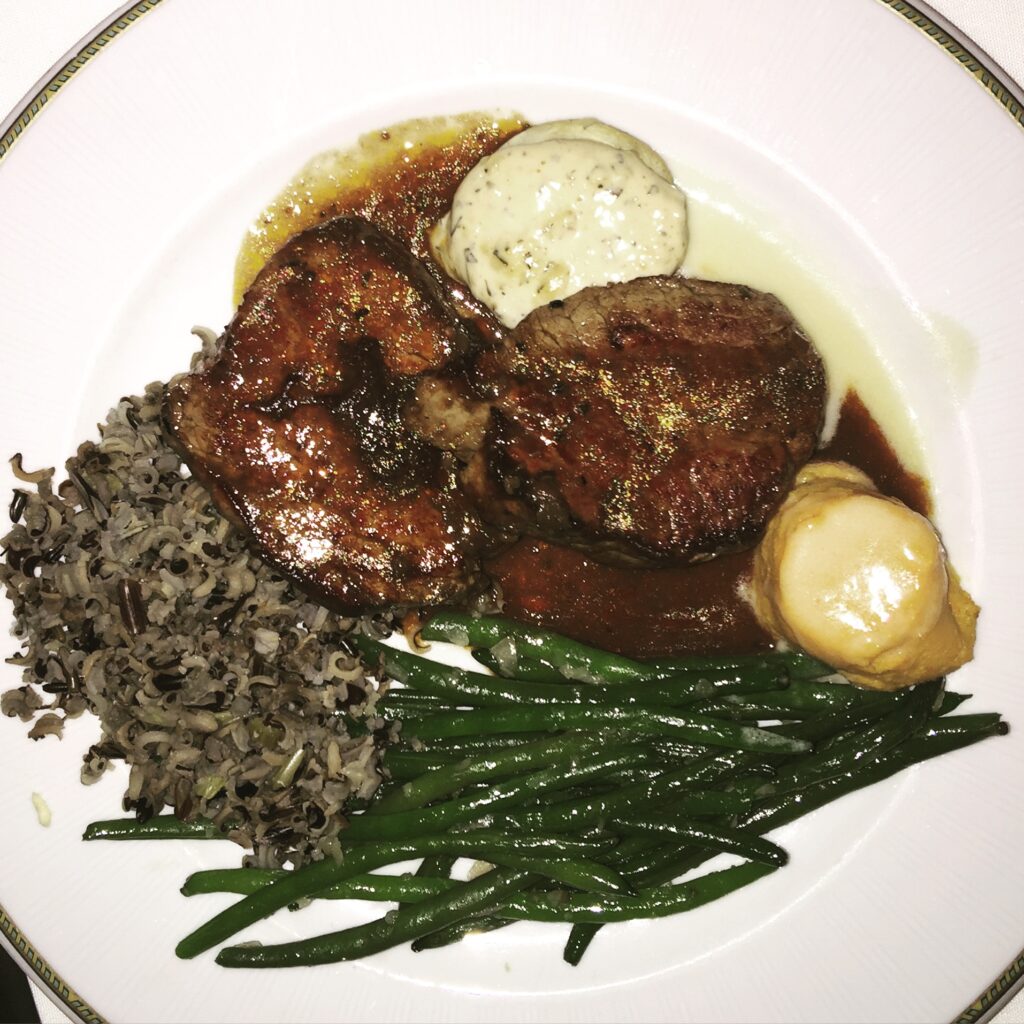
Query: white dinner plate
[841, 136]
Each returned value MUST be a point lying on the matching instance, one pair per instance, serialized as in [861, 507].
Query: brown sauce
[638, 612]
[689, 609]
[403, 179]
[859, 440]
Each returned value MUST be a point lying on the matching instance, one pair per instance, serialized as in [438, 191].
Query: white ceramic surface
[900, 179]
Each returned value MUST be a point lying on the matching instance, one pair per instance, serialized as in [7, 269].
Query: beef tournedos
[376, 446]
[660, 420]
[295, 425]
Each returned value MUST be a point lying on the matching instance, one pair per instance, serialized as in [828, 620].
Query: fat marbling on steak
[296, 426]
[659, 420]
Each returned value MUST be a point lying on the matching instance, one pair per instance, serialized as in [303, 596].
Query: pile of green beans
[590, 783]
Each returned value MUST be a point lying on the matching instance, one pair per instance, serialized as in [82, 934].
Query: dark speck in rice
[228, 692]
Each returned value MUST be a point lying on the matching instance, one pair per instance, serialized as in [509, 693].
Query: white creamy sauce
[724, 238]
[730, 240]
[592, 130]
[539, 221]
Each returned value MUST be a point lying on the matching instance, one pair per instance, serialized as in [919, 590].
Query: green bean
[803, 666]
[579, 661]
[637, 773]
[404, 925]
[670, 750]
[406, 765]
[827, 727]
[668, 863]
[430, 681]
[405, 824]
[682, 785]
[402, 888]
[528, 669]
[297, 885]
[641, 721]
[578, 942]
[574, 660]
[588, 875]
[590, 811]
[659, 901]
[164, 826]
[646, 868]
[749, 711]
[494, 896]
[951, 733]
[711, 837]
[653, 866]
[937, 738]
[678, 786]
[438, 865]
[868, 743]
[451, 778]
[466, 746]
[457, 686]
[796, 664]
[800, 698]
[680, 689]
[550, 798]
[664, 687]
[950, 702]
[485, 844]
[807, 695]
[411, 700]
[552, 860]
[390, 888]
[630, 846]
[358, 859]
[458, 931]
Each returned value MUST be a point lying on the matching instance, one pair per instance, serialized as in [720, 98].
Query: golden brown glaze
[296, 423]
[660, 419]
[401, 179]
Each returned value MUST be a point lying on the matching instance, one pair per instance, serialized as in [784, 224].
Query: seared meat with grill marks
[658, 420]
[296, 425]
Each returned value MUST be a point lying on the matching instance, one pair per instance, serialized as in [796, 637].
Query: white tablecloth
[35, 34]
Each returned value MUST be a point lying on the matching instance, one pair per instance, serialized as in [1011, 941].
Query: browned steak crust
[659, 419]
[296, 424]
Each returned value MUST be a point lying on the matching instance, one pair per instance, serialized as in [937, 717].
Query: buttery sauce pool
[403, 178]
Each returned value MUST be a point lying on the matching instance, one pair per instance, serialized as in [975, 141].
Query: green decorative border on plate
[22, 118]
[34, 106]
[47, 975]
[993, 998]
[1008, 98]
[990, 1000]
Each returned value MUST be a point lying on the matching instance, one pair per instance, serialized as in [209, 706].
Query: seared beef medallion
[659, 420]
[296, 426]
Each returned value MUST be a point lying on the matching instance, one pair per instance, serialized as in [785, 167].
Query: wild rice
[229, 693]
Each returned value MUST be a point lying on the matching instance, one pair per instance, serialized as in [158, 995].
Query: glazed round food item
[658, 420]
[296, 424]
[562, 206]
[862, 582]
